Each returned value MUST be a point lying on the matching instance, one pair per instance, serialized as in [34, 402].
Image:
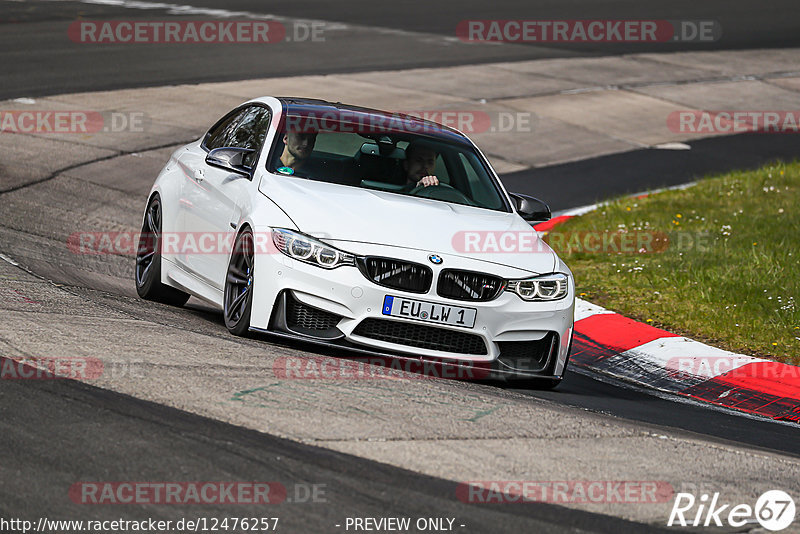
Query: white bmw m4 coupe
[378, 232]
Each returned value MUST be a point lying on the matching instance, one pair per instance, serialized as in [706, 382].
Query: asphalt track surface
[106, 436]
[586, 182]
[51, 430]
[37, 59]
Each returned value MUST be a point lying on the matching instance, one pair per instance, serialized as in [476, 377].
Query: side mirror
[231, 159]
[531, 209]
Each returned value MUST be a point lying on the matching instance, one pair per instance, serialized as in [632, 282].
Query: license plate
[429, 311]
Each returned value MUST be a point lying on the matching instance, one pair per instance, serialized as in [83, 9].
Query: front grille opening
[397, 274]
[421, 336]
[468, 285]
[529, 355]
[306, 319]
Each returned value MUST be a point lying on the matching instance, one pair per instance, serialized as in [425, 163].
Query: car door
[212, 199]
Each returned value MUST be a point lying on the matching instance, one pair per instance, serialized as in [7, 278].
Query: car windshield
[375, 152]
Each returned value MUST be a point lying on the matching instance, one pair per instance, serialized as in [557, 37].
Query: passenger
[419, 165]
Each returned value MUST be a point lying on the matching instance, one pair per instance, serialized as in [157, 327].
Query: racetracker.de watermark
[564, 491]
[49, 368]
[734, 366]
[71, 122]
[375, 368]
[588, 31]
[71, 368]
[208, 492]
[734, 121]
[568, 242]
[194, 32]
[468, 121]
[128, 243]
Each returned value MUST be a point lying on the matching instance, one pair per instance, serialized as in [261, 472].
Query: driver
[418, 166]
[298, 146]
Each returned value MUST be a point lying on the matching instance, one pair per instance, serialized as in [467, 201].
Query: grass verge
[718, 261]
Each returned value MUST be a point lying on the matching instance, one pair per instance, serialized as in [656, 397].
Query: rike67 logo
[774, 510]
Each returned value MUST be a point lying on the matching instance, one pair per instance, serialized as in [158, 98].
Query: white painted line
[9, 260]
[574, 212]
[581, 90]
[672, 146]
[584, 309]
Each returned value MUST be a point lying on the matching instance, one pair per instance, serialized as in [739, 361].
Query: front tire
[148, 260]
[238, 298]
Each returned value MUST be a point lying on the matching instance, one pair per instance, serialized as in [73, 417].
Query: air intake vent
[397, 274]
[529, 355]
[468, 285]
[421, 336]
[300, 316]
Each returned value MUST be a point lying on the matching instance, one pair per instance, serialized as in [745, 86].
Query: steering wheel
[445, 192]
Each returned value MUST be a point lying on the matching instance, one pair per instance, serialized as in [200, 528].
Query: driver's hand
[428, 180]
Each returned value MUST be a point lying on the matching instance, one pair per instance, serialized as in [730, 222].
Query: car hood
[339, 213]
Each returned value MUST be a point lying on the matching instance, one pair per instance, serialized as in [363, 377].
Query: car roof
[410, 124]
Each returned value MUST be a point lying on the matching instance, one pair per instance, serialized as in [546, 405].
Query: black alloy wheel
[239, 285]
[148, 260]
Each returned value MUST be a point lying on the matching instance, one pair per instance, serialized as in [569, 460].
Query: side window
[245, 129]
[219, 135]
[251, 128]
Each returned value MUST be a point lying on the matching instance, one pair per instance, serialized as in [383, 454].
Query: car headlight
[309, 250]
[541, 288]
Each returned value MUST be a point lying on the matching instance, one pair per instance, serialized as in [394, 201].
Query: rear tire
[148, 261]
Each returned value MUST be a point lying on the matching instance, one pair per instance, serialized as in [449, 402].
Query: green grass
[729, 274]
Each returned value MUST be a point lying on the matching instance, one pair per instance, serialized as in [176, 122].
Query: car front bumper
[342, 307]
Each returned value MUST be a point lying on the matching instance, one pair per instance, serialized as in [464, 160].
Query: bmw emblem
[435, 259]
